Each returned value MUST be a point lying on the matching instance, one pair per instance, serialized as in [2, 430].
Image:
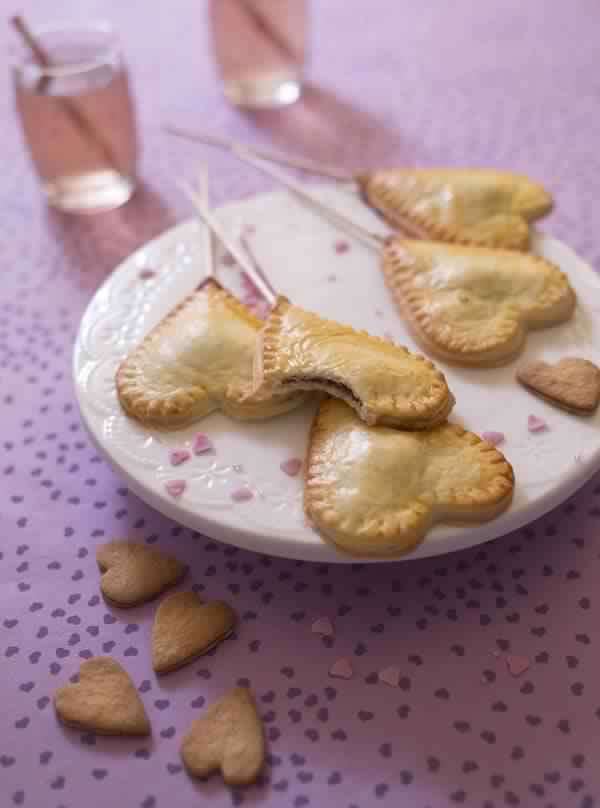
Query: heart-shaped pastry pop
[460, 205]
[376, 491]
[472, 305]
[185, 627]
[463, 206]
[104, 701]
[384, 383]
[229, 737]
[197, 359]
[572, 383]
[133, 573]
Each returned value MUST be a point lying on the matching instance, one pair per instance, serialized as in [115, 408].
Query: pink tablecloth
[512, 84]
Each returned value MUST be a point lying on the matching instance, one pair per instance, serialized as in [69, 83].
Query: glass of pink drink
[260, 48]
[78, 119]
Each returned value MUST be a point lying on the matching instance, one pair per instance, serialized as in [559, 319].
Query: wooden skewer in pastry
[477, 207]
[300, 163]
[199, 358]
[467, 305]
[299, 350]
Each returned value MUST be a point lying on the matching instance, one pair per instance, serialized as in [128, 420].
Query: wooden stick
[227, 144]
[74, 112]
[373, 240]
[211, 222]
[245, 242]
[209, 255]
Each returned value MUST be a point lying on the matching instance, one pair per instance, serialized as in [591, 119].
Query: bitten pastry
[463, 206]
[384, 383]
[196, 360]
[104, 700]
[229, 737]
[572, 383]
[375, 491]
[472, 305]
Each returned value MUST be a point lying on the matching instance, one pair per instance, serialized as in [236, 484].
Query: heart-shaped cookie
[384, 383]
[229, 737]
[463, 206]
[185, 627]
[376, 491]
[471, 305]
[197, 359]
[133, 573]
[572, 383]
[104, 701]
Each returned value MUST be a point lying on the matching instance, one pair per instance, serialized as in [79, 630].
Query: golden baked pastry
[464, 206]
[198, 359]
[376, 491]
[472, 305]
[384, 383]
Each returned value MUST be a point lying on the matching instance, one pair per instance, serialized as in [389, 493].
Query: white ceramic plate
[298, 252]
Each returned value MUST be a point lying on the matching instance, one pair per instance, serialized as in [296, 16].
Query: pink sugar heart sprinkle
[323, 626]
[390, 676]
[175, 488]
[291, 466]
[179, 456]
[260, 309]
[242, 495]
[341, 247]
[249, 286]
[146, 274]
[535, 424]
[228, 260]
[517, 664]
[495, 438]
[201, 444]
[341, 669]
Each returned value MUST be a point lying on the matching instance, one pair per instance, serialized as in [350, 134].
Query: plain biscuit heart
[133, 573]
[185, 627]
[228, 737]
[572, 383]
[104, 700]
